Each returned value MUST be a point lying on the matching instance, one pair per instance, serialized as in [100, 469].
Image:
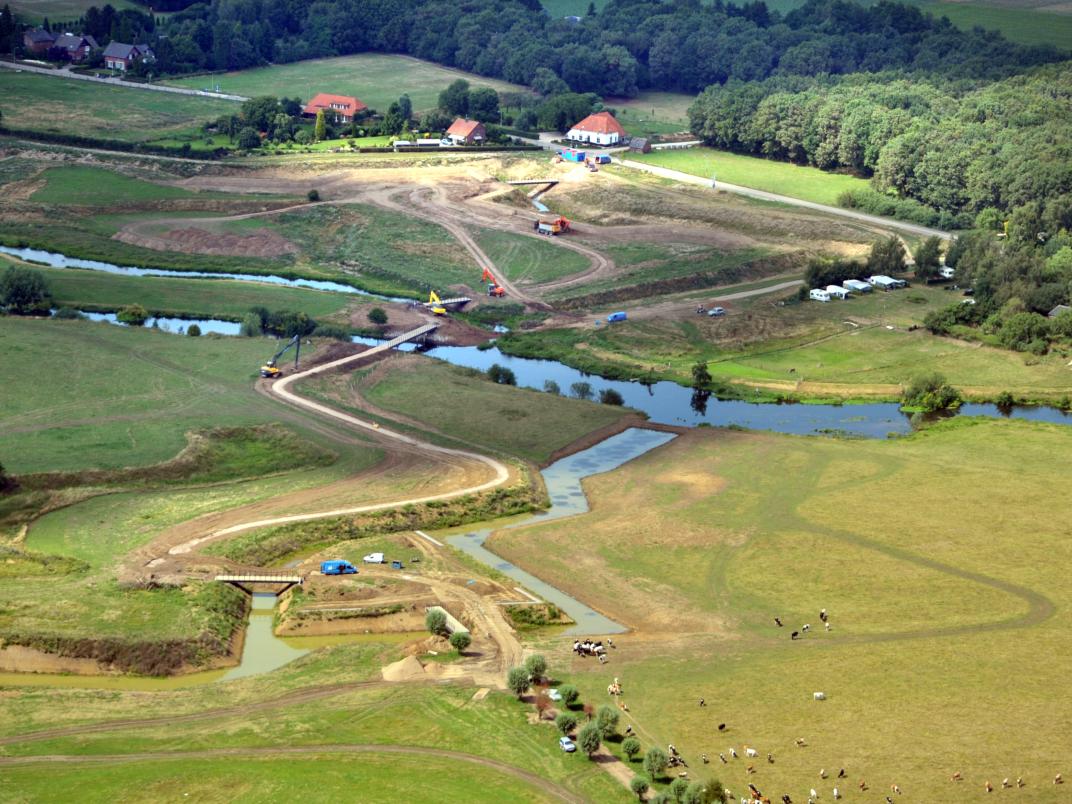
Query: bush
[655, 762]
[436, 622]
[251, 326]
[332, 331]
[68, 314]
[1005, 400]
[133, 314]
[589, 739]
[536, 666]
[565, 723]
[678, 788]
[1024, 332]
[607, 721]
[930, 393]
[378, 316]
[608, 396]
[639, 785]
[501, 375]
[631, 747]
[517, 680]
[248, 139]
[24, 291]
[194, 331]
[551, 387]
[581, 390]
[313, 196]
[460, 640]
[569, 694]
[822, 272]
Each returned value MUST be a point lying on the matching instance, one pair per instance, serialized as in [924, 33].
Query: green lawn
[208, 298]
[377, 79]
[92, 186]
[916, 547]
[526, 259]
[468, 407]
[1030, 26]
[653, 113]
[43, 103]
[807, 183]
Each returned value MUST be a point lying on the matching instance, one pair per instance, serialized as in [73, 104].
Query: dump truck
[337, 568]
[559, 225]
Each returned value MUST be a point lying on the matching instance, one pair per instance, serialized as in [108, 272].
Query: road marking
[424, 535]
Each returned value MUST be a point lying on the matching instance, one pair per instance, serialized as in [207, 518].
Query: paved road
[118, 82]
[871, 220]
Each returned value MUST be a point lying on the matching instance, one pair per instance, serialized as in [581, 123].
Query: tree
[551, 387]
[547, 82]
[887, 257]
[313, 196]
[303, 137]
[543, 703]
[501, 375]
[701, 377]
[435, 620]
[260, 113]
[581, 390]
[608, 396]
[589, 739]
[460, 640]
[248, 139]
[569, 694]
[639, 785]
[133, 315]
[321, 126]
[537, 667]
[405, 107]
[655, 762]
[454, 100]
[607, 721]
[251, 326]
[194, 331]
[631, 747]
[565, 723]
[930, 393]
[24, 291]
[378, 316]
[678, 788]
[484, 105]
[518, 680]
[928, 258]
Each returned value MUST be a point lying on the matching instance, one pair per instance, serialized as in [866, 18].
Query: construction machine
[434, 304]
[270, 370]
[494, 288]
[559, 225]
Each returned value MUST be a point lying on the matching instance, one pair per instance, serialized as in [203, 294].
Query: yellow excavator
[434, 304]
[270, 370]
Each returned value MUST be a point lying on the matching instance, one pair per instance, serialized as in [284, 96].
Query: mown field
[33, 11]
[375, 78]
[796, 181]
[526, 259]
[43, 103]
[933, 557]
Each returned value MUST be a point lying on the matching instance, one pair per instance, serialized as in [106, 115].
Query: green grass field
[33, 11]
[377, 79]
[43, 103]
[184, 297]
[653, 113]
[918, 549]
[79, 185]
[796, 181]
[528, 260]
[468, 407]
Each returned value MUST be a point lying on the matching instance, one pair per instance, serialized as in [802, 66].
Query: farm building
[118, 56]
[343, 107]
[640, 145]
[599, 129]
[75, 47]
[466, 132]
[38, 40]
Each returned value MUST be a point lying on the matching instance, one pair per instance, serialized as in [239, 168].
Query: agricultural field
[795, 181]
[528, 260]
[33, 11]
[38, 103]
[934, 596]
[653, 113]
[375, 78]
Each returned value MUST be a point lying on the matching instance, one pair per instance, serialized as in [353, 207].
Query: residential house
[75, 47]
[38, 41]
[598, 129]
[342, 107]
[118, 56]
[466, 132]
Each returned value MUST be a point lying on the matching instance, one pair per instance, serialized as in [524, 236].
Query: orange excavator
[494, 288]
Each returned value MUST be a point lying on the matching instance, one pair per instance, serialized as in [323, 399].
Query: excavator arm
[270, 369]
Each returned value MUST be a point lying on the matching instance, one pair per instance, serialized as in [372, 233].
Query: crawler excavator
[269, 370]
[494, 288]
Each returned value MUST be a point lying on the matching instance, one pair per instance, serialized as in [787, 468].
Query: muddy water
[563, 480]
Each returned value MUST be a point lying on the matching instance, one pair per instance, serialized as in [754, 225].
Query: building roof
[600, 123]
[464, 128]
[75, 41]
[1056, 311]
[341, 103]
[40, 35]
[118, 50]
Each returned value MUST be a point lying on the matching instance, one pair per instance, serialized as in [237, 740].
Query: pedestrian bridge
[445, 302]
[284, 582]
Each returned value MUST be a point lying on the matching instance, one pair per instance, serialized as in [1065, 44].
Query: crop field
[467, 406]
[916, 547]
[796, 181]
[41, 103]
[375, 78]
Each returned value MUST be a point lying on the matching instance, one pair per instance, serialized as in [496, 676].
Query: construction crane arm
[296, 343]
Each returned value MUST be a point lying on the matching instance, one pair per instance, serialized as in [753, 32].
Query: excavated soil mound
[408, 669]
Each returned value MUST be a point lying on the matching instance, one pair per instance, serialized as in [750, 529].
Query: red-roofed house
[343, 107]
[599, 129]
[466, 132]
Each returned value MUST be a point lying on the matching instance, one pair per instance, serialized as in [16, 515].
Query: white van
[946, 272]
[819, 295]
[837, 292]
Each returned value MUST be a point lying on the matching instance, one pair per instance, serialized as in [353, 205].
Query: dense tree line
[953, 146]
[681, 45]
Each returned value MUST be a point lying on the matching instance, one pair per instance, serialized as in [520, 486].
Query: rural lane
[762, 195]
[118, 82]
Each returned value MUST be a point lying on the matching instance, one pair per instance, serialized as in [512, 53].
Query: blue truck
[337, 568]
[616, 317]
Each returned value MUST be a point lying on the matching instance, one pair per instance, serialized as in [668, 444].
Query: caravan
[857, 285]
[837, 292]
[819, 295]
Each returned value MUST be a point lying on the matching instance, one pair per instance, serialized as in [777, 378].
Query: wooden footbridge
[445, 302]
[244, 582]
[418, 334]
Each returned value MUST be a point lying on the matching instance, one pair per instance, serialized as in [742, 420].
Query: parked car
[374, 558]
[716, 311]
[554, 695]
[567, 745]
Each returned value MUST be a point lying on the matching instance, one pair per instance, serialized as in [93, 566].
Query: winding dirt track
[539, 782]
